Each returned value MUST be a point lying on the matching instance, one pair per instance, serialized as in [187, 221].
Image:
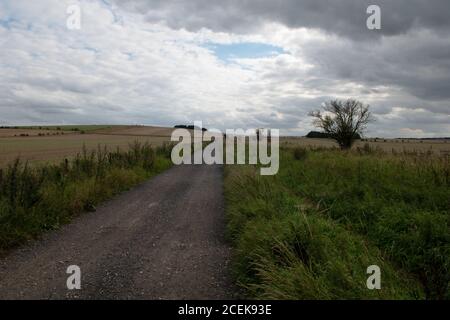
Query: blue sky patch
[244, 50]
[7, 22]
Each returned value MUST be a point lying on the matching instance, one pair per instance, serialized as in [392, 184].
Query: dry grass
[7, 133]
[137, 131]
[388, 145]
[40, 149]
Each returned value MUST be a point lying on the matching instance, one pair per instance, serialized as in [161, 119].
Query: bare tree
[343, 121]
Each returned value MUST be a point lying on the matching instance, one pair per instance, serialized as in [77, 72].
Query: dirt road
[162, 240]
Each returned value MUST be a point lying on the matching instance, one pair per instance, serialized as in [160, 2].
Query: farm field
[136, 131]
[57, 146]
[24, 132]
[68, 127]
[439, 147]
[53, 143]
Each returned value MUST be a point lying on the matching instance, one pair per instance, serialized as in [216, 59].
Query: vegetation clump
[36, 199]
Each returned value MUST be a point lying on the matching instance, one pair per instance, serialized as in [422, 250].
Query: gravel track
[163, 239]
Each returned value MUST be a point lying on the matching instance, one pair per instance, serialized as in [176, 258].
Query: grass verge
[37, 199]
[312, 231]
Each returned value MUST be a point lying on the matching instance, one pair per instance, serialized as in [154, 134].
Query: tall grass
[311, 231]
[36, 199]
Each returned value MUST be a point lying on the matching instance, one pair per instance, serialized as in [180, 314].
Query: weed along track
[161, 240]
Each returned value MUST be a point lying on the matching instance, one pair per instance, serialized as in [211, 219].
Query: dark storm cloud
[346, 17]
[418, 64]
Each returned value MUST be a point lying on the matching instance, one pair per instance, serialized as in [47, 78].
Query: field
[312, 231]
[53, 145]
[438, 147]
[23, 132]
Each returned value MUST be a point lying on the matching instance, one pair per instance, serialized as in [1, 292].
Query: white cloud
[121, 68]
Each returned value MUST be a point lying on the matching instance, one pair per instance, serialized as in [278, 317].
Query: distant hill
[425, 139]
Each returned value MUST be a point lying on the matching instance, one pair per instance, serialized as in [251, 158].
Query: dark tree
[322, 135]
[343, 121]
[318, 135]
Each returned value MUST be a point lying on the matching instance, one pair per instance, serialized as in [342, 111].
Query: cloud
[149, 62]
[345, 17]
[411, 51]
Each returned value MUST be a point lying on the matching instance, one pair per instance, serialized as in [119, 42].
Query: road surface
[162, 240]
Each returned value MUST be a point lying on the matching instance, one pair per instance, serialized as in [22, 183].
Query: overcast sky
[230, 64]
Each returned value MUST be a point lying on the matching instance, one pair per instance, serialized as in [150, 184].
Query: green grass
[34, 200]
[311, 231]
